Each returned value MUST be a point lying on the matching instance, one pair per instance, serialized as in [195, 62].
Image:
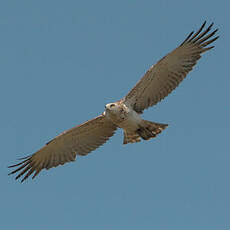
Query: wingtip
[17, 177]
[211, 25]
[204, 23]
[22, 180]
[24, 158]
[187, 38]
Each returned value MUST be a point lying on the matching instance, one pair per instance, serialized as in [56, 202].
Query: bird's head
[113, 111]
[111, 107]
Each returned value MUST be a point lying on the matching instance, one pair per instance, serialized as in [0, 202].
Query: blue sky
[61, 62]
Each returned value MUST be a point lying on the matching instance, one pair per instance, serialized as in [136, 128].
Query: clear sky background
[61, 62]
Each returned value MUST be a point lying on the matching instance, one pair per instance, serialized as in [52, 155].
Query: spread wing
[79, 140]
[167, 74]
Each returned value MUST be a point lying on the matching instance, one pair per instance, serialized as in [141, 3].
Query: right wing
[167, 74]
[79, 140]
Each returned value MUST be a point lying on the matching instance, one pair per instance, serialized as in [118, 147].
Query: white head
[112, 109]
[116, 111]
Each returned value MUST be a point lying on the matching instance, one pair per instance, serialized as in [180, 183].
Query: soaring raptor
[155, 85]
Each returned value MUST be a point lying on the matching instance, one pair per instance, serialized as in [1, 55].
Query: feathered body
[131, 122]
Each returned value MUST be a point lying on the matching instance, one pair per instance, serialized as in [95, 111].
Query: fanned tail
[131, 137]
[150, 129]
[147, 130]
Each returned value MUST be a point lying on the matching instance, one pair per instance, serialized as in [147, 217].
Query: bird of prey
[155, 85]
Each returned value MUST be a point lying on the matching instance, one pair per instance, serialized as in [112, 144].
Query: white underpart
[131, 120]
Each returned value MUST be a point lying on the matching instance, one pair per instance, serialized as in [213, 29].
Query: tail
[147, 130]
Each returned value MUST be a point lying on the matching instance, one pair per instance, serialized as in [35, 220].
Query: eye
[112, 105]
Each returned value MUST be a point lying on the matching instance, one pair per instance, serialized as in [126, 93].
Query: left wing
[167, 74]
[79, 140]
